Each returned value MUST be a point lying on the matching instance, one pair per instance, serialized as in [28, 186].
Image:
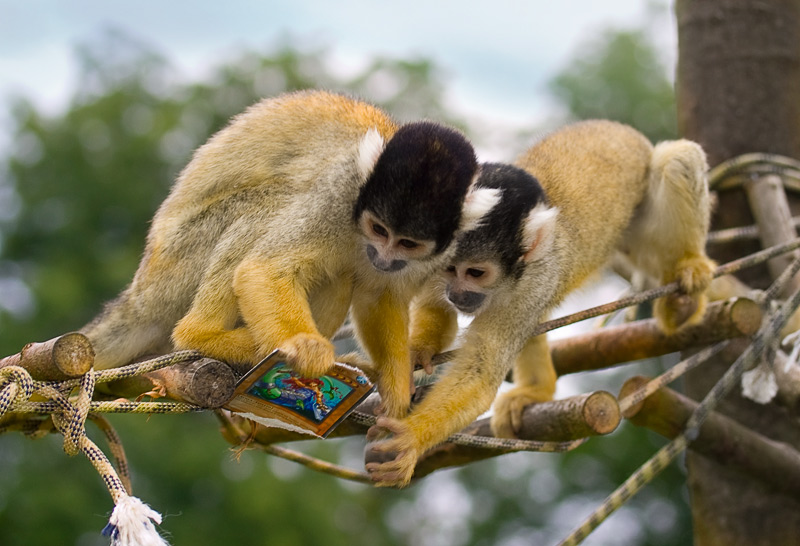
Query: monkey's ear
[369, 150]
[477, 204]
[538, 231]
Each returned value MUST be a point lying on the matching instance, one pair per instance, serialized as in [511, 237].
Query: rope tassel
[132, 524]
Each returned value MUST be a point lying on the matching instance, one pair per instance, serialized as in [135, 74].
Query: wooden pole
[63, 357]
[613, 345]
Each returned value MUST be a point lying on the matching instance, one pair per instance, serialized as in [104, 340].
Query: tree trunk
[738, 90]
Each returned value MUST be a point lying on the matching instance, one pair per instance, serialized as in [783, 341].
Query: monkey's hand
[506, 419]
[423, 357]
[310, 355]
[391, 454]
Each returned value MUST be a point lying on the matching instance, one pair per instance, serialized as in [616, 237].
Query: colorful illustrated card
[273, 395]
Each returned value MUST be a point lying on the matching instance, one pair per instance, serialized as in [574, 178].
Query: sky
[496, 55]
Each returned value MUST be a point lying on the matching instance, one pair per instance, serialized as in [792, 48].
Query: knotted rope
[132, 522]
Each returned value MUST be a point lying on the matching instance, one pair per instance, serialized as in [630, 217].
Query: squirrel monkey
[305, 206]
[572, 200]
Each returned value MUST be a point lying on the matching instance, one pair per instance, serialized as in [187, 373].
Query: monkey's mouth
[466, 302]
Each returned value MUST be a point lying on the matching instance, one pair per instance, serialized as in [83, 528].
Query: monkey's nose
[381, 264]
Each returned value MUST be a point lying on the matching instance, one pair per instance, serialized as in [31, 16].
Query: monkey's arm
[434, 325]
[273, 301]
[464, 392]
[270, 297]
[382, 329]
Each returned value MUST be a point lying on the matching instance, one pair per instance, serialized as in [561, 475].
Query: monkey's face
[388, 251]
[470, 285]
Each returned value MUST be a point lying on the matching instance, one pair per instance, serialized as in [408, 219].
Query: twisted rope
[16, 387]
[732, 173]
[669, 376]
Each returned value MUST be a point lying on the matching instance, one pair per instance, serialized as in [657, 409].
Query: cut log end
[73, 354]
[601, 412]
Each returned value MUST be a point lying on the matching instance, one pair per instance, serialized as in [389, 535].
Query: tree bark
[738, 84]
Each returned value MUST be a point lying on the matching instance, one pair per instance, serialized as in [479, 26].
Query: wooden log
[613, 345]
[589, 414]
[204, 382]
[721, 438]
[63, 357]
[770, 208]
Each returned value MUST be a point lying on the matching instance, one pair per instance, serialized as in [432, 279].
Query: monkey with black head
[306, 206]
[570, 202]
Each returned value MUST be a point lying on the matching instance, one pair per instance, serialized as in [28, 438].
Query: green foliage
[618, 75]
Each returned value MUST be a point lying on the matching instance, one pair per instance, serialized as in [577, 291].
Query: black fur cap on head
[499, 235]
[419, 182]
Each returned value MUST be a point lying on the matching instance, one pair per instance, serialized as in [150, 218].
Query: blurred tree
[619, 75]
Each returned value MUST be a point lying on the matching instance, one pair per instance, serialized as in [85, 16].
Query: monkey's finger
[392, 425]
[376, 433]
[387, 474]
[374, 454]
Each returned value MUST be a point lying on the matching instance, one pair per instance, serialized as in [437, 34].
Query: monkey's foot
[391, 454]
[677, 310]
[311, 355]
[695, 273]
[508, 407]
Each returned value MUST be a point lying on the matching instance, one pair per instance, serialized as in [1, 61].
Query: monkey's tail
[677, 219]
[120, 334]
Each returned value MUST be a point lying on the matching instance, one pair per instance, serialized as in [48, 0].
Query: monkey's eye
[451, 269]
[380, 230]
[475, 273]
[408, 243]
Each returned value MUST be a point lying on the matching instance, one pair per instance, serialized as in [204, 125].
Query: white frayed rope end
[759, 384]
[131, 524]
